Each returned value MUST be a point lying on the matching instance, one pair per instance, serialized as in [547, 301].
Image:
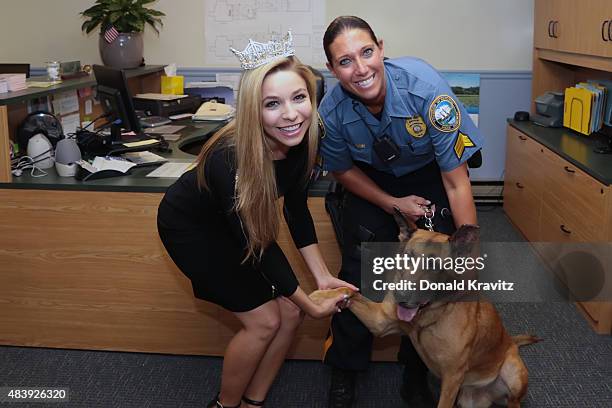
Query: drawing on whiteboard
[231, 23]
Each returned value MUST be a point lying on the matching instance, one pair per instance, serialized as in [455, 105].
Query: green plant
[125, 15]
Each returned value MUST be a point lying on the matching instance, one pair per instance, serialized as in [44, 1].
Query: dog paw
[319, 295]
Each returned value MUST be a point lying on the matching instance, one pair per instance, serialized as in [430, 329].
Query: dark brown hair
[340, 25]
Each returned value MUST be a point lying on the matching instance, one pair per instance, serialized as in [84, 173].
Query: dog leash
[429, 216]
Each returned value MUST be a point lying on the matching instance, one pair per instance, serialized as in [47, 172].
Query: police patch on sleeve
[444, 114]
[415, 125]
[461, 143]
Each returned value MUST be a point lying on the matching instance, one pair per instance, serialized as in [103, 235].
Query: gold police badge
[415, 125]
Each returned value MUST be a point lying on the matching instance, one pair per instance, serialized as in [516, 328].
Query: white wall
[451, 34]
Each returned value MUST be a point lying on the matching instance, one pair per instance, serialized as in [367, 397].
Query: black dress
[205, 239]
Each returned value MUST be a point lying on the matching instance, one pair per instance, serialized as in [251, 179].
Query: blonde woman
[219, 223]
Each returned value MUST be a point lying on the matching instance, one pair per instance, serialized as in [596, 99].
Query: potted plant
[121, 25]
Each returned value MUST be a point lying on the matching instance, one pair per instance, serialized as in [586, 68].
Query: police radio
[384, 147]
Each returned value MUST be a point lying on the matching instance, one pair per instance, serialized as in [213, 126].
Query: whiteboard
[231, 23]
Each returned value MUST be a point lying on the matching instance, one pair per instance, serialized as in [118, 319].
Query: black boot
[342, 388]
[415, 389]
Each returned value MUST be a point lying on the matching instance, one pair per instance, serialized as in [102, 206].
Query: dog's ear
[406, 226]
[465, 239]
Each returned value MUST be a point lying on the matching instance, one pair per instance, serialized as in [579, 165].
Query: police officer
[395, 137]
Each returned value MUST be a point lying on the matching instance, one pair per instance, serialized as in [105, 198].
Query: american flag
[111, 33]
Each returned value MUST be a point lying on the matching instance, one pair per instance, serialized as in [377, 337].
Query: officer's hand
[412, 206]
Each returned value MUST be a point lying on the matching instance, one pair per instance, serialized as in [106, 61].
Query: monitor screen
[115, 97]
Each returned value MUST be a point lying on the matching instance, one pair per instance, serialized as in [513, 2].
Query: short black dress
[205, 239]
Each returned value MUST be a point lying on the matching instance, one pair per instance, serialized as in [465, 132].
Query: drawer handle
[603, 30]
[519, 185]
[550, 28]
[565, 229]
[569, 170]
[523, 137]
[554, 29]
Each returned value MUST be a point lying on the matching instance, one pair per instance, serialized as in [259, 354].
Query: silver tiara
[257, 54]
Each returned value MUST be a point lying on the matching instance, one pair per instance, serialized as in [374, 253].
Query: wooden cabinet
[554, 25]
[521, 185]
[547, 197]
[550, 201]
[581, 27]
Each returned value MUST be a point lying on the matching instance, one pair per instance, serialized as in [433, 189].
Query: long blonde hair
[256, 192]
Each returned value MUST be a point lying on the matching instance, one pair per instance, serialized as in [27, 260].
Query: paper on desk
[141, 143]
[159, 96]
[172, 169]
[104, 163]
[165, 129]
[41, 84]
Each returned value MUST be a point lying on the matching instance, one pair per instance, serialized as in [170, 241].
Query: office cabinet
[554, 25]
[579, 27]
[593, 19]
[521, 185]
[577, 198]
[547, 197]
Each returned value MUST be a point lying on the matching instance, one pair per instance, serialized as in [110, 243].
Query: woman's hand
[330, 282]
[411, 206]
[328, 307]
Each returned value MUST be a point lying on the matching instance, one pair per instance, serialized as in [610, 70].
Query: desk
[82, 266]
[13, 105]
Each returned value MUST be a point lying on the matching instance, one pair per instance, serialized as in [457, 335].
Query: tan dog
[462, 342]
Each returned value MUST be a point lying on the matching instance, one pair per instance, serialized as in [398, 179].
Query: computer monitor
[116, 101]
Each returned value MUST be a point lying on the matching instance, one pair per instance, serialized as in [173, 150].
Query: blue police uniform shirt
[421, 115]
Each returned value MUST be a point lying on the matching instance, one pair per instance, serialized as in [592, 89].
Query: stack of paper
[585, 106]
[14, 82]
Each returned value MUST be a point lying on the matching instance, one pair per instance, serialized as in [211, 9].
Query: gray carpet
[572, 367]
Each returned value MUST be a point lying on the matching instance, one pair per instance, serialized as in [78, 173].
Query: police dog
[462, 342]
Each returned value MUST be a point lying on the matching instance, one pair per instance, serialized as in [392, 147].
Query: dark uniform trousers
[351, 341]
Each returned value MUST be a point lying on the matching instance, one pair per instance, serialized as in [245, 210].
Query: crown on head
[257, 54]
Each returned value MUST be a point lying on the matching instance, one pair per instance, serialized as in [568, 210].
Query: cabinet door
[594, 19]
[554, 27]
[522, 188]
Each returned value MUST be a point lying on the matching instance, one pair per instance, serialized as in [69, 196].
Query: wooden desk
[82, 267]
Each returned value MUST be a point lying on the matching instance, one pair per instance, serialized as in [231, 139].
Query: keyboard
[154, 121]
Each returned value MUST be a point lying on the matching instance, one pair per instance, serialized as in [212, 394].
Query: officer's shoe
[416, 393]
[342, 388]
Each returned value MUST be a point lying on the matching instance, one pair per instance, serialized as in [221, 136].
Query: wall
[490, 37]
[451, 35]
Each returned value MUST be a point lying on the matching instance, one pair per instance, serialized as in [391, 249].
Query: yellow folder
[577, 110]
